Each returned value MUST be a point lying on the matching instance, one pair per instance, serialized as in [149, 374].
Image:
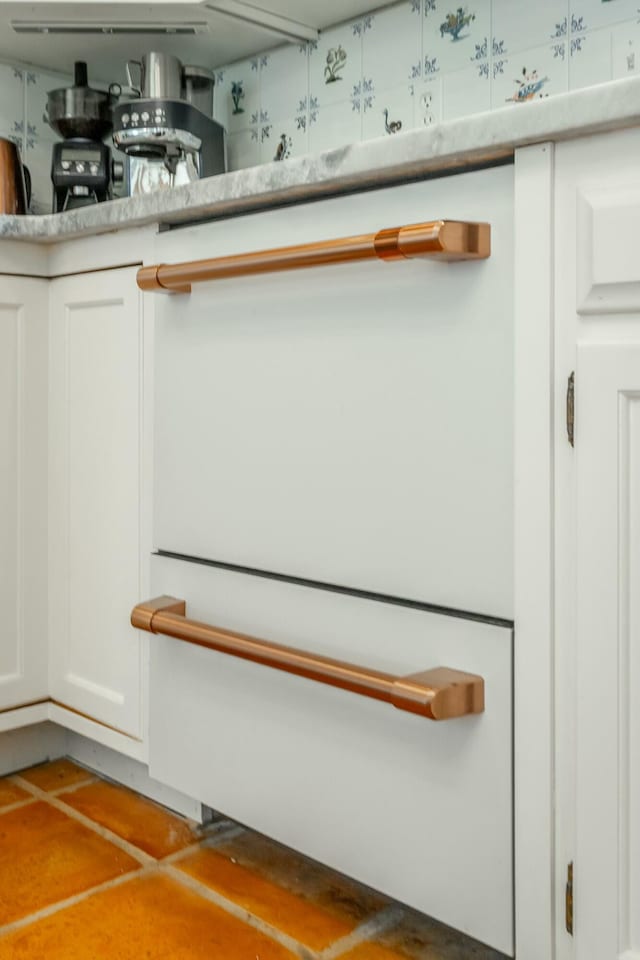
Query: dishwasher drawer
[353, 423]
[419, 809]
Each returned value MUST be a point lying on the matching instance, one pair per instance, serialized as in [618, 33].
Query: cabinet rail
[438, 694]
[447, 240]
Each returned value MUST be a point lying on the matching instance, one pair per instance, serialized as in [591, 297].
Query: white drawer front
[419, 809]
[350, 424]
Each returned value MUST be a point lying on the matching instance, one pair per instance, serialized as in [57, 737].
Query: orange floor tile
[71, 888]
[56, 775]
[152, 918]
[10, 793]
[144, 824]
[45, 856]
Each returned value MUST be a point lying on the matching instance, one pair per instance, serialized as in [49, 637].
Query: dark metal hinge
[571, 406]
[569, 899]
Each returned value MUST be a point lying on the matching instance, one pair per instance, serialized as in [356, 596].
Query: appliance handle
[135, 87]
[447, 240]
[438, 694]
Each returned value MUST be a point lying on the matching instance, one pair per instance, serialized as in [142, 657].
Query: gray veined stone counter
[471, 140]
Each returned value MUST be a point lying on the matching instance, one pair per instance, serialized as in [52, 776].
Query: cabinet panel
[350, 424]
[23, 490]
[608, 629]
[97, 444]
[419, 809]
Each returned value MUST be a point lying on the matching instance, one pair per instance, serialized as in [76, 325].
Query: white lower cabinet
[23, 490]
[98, 436]
[419, 809]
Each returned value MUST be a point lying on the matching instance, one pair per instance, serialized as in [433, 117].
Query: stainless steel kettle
[14, 179]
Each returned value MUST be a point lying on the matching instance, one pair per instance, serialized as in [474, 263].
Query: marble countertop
[458, 143]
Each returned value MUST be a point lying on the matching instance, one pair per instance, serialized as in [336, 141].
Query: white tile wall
[424, 61]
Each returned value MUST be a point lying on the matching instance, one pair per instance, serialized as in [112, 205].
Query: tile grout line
[75, 899]
[106, 834]
[72, 787]
[240, 913]
[380, 922]
[17, 805]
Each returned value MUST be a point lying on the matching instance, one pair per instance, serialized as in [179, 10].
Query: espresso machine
[167, 132]
[82, 168]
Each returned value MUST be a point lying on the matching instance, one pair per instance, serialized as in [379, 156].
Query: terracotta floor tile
[418, 937]
[46, 856]
[55, 775]
[316, 912]
[153, 918]
[10, 793]
[134, 818]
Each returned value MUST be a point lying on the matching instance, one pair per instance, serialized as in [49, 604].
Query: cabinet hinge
[571, 406]
[569, 899]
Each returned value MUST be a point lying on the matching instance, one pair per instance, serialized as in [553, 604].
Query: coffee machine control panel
[152, 117]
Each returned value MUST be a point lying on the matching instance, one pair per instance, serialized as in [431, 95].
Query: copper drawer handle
[439, 694]
[437, 240]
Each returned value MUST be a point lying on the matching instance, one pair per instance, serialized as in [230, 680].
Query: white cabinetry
[98, 438]
[23, 490]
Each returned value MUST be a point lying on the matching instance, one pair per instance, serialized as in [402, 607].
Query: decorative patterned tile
[335, 64]
[427, 103]
[151, 917]
[237, 94]
[287, 138]
[465, 92]
[38, 85]
[284, 80]
[46, 857]
[393, 113]
[625, 50]
[591, 14]
[520, 26]
[12, 104]
[143, 823]
[530, 75]
[590, 58]
[243, 149]
[391, 49]
[335, 125]
[455, 35]
[56, 775]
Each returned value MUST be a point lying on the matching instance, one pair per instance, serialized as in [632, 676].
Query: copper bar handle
[447, 240]
[439, 694]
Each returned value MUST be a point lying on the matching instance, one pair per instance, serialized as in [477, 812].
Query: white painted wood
[20, 258]
[350, 424]
[607, 264]
[420, 810]
[24, 716]
[533, 561]
[29, 745]
[23, 490]
[128, 746]
[608, 628]
[109, 250]
[97, 485]
[112, 763]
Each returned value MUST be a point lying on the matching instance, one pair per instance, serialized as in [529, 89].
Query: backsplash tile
[401, 67]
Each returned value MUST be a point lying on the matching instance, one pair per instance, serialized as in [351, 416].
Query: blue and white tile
[590, 59]
[591, 14]
[625, 50]
[12, 103]
[335, 126]
[455, 35]
[393, 113]
[335, 64]
[391, 48]
[243, 150]
[427, 103]
[465, 92]
[38, 85]
[523, 25]
[284, 80]
[287, 138]
[237, 95]
[530, 75]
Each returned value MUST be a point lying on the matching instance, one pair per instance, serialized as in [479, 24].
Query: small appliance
[82, 168]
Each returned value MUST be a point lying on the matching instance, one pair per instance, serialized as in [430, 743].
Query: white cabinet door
[418, 809]
[23, 490]
[350, 424]
[608, 666]
[96, 483]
